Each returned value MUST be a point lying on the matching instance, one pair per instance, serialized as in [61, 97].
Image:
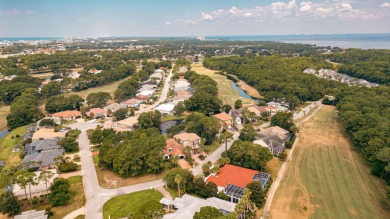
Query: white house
[166, 108]
[148, 93]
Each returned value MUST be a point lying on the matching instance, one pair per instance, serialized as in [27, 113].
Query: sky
[105, 18]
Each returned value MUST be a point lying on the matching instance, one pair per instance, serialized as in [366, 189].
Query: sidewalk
[75, 213]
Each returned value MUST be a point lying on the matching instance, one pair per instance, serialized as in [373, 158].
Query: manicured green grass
[121, 206]
[7, 143]
[80, 217]
[322, 180]
[214, 146]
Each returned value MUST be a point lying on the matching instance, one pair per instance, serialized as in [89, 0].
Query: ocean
[363, 41]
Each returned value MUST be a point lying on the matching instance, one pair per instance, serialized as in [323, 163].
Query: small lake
[3, 133]
[242, 93]
[166, 125]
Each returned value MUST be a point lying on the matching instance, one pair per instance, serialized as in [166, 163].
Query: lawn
[172, 117]
[324, 179]
[121, 206]
[226, 92]
[76, 201]
[110, 88]
[4, 111]
[8, 143]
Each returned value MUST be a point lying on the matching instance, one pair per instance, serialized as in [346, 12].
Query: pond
[166, 125]
[3, 133]
[242, 93]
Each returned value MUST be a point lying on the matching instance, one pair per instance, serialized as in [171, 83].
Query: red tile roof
[176, 148]
[96, 111]
[142, 97]
[230, 174]
[223, 116]
[67, 114]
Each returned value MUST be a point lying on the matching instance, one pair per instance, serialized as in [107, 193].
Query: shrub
[34, 201]
[283, 155]
[67, 167]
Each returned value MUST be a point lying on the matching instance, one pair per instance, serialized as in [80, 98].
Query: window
[170, 149]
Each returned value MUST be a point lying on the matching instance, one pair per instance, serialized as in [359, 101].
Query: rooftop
[67, 114]
[187, 136]
[223, 116]
[234, 175]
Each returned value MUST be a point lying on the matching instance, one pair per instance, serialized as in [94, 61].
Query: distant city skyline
[116, 18]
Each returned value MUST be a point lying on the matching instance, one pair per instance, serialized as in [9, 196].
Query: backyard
[325, 178]
[121, 206]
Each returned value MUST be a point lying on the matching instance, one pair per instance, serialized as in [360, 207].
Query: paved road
[275, 184]
[95, 195]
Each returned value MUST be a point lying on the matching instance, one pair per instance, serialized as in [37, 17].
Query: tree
[24, 178]
[257, 193]
[178, 180]
[99, 99]
[207, 212]
[248, 155]
[121, 114]
[9, 204]
[206, 168]
[283, 120]
[51, 89]
[180, 108]
[238, 104]
[60, 193]
[70, 144]
[226, 108]
[150, 210]
[45, 177]
[245, 206]
[149, 119]
[224, 137]
[248, 133]
[186, 175]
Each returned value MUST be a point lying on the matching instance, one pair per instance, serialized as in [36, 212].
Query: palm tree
[45, 176]
[225, 137]
[24, 178]
[178, 180]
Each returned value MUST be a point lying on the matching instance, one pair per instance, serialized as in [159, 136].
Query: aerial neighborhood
[106, 128]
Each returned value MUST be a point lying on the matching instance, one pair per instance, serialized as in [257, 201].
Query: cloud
[207, 17]
[10, 12]
[385, 5]
[167, 23]
[305, 8]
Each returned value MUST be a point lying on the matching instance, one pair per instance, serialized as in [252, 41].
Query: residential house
[225, 120]
[128, 123]
[148, 93]
[181, 84]
[255, 110]
[189, 139]
[97, 113]
[160, 71]
[147, 87]
[94, 71]
[33, 214]
[42, 146]
[67, 115]
[43, 161]
[274, 138]
[166, 108]
[236, 115]
[74, 75]
[157, 76]
[173, 149]
[187, 205]
[38, 189]
[234, 179]
[114, 107]
[182, 95]
[27, 135]
[142, 98]
[132, 103]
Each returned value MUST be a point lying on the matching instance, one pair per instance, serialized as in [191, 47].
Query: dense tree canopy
[61, 103]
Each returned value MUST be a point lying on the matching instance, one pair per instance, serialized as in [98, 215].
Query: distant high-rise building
[201, 38]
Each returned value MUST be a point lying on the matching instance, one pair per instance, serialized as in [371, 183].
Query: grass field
[226, 92]
[323, 178]
[4, 111]
[110, 88]
[8, 143]
[121, 206]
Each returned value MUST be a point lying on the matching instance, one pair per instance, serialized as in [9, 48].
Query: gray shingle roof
[47, 158]
[42, 145]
